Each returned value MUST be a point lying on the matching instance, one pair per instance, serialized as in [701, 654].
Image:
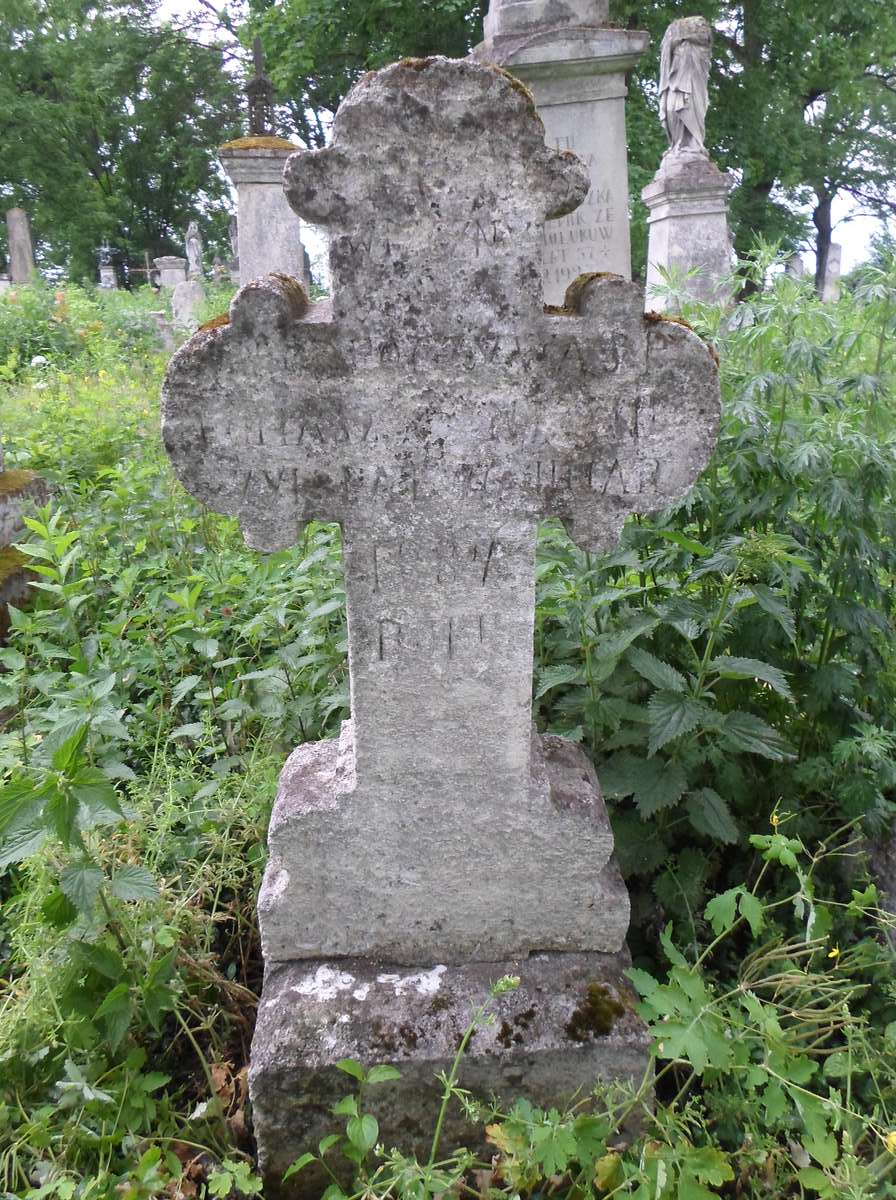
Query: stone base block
[570, 1023]
[519, 874]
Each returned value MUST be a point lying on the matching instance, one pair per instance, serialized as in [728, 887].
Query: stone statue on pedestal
[193, 246]
[685, 58]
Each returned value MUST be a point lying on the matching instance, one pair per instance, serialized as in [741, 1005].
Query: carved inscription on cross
[437, 413]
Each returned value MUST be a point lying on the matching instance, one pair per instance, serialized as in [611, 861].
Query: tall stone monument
[688, 196]
[575, 64]
[21, 252]
[269, 236]
[437, 412]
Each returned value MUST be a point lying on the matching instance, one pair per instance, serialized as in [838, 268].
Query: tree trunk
[821, 218]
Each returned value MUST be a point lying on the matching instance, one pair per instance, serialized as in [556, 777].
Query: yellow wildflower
[776, 820]
[834, 952]
[890, 1141]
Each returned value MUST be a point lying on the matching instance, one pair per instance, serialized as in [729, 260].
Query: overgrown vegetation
[729, 666]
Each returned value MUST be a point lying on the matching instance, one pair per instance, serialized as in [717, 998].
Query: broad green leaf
[185, 686]
[115, 1013]
[363, 1132]
[812, 1177]
[133, 882]
[744, 731]
[95, 791]
[58, 910]
[346, 1107]
[752, 668]
[328, 1143]
[773, 604]
[207, 647]
[751, 909]
[551, 677]
[686, 543]
[721, 912]
[710, 815]
[101, 959]
[383, 1074]
[690, 1189]
[81, 883]
[710, 1165]
[655, 782]
[351, 1067]
[655, 671]
[294, 1168]
[672, 715]
[69, 751]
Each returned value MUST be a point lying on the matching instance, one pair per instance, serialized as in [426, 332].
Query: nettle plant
[739, 651]
[776, 1080]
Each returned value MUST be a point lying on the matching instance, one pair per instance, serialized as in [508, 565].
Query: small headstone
[830, 288]
[172, 270]
[688, 196]
[795, 267]
[437, 412]
[575, 64]
[21, 252]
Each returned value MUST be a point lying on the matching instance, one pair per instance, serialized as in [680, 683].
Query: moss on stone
[12, 562]
[215, 322]
[596, 1015]
[15, 481]
[518, 86]
[268, 142]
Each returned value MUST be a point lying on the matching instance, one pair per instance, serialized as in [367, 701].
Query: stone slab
[570, 1023]
[186, 300]
[503, 875]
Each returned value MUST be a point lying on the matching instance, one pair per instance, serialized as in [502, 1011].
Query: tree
[109, 122]
[803, 107]
[316, 49]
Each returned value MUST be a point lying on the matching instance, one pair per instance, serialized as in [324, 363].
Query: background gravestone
[575, 63]
[21, 252]
[18, 489]
[437, 413]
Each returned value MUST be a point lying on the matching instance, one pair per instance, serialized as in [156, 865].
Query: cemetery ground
[730, 668]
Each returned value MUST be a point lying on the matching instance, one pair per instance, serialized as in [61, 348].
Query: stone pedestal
[107, 277]
[570, 1024]
[172, 270]
[575, 67]
[688, 225]
[5, 282]
[186, 300]
[269, 233]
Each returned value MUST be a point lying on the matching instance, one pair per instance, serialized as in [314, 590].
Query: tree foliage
[122, 116]
[803, 105]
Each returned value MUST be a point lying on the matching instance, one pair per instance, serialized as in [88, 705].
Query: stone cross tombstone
[437, 411]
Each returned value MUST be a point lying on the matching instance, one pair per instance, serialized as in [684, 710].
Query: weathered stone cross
[437, 412]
